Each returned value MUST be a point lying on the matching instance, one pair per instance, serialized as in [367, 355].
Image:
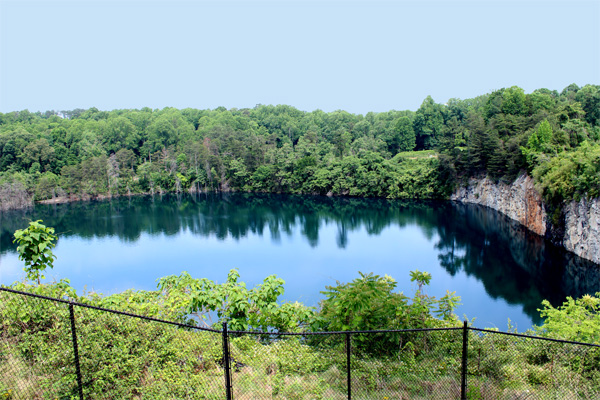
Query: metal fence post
[348, 344]
[463, 375]
[226, 361]
[76, 351]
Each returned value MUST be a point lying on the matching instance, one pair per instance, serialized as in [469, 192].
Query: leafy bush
[370, 303]
[233, 303]
[576, 319]
[35, 249]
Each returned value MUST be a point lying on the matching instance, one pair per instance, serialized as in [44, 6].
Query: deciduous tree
[35, 244]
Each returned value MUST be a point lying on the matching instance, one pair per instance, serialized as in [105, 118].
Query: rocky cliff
[580, 228]
[519, 201]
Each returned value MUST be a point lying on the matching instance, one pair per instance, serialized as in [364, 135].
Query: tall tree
[404, 138]
[428, 124]
[513, 101]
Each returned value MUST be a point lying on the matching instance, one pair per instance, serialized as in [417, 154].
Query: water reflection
[511, 263]
[220, 215]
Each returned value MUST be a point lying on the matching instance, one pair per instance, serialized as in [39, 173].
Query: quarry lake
[499, 269]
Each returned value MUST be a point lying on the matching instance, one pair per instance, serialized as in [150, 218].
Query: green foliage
[278, 149]
[589, 98]
[129, 358]
[575, 319]
[422, 279]
[428, 124]
[35, 244]
[402, 138]
[241, 308]
[366, 303]
[539, 144]
[47, 186]
[370, 303]
[170, 306]
[120, 357]
[513, 101]
[570, 175]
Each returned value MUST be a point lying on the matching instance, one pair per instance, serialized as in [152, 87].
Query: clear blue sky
[357, 56]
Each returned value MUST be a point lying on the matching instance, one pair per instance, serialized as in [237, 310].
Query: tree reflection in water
[512, 263]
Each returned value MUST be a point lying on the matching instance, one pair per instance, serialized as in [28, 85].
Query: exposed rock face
[582, 229]
[519, 201]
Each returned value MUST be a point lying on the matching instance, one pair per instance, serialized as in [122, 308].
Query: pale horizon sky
[357, 56]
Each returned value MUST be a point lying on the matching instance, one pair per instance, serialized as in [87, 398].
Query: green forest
[553, 136]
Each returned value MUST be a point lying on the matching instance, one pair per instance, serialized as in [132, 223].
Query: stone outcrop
[579, 231]
[582, 229]
[519, 201]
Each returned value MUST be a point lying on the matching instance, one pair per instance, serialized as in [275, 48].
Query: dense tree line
[86, 153]
[553, 136]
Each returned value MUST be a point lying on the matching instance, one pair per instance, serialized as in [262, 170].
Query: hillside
[88, 153]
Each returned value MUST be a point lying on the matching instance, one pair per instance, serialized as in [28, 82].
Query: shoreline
[581, 248]
[71, 199]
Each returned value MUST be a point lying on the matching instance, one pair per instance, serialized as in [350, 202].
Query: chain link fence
[419, 364]
[57, 349]
[504, 365]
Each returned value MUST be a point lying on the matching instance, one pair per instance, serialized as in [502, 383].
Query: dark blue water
[500, 270]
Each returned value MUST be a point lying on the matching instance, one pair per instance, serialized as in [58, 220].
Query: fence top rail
[534, 337]
[344, 332]
[181, 325]
[162, 321]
